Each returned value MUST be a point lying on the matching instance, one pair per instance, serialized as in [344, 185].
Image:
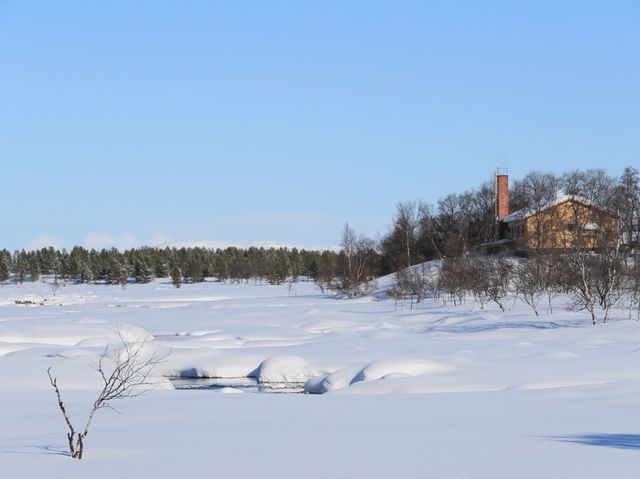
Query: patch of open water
[246, 385]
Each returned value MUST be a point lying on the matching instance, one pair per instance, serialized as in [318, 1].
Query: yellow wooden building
[568, 222]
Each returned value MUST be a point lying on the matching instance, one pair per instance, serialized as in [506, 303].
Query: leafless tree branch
[131, 376]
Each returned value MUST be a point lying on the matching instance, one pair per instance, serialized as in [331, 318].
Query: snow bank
[428, 268]
[284, 369]
[229, 390]
[384, 369]
[210, 363]
[409, 367]
[68, 332]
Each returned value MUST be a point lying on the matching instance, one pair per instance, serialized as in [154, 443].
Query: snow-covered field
[437, 391]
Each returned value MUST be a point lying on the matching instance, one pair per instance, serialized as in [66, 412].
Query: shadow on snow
[479, 328]
[617, 441]
[46, 450]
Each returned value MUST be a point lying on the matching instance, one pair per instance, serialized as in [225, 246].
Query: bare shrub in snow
[632, 288]
[608, 282]
[595, 281]
[551, 276]
[326, 273]
[592, 268]
[489, 279]
[130, 376]
[528, 283]
[355, 269]
[579, 276]
[413, 282]
[453, 279]
[55, 285]
[476, 280]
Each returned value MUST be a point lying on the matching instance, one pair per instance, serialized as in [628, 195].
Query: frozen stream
[230, 385]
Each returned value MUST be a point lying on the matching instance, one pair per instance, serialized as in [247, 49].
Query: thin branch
[72, 432]
[130, 378]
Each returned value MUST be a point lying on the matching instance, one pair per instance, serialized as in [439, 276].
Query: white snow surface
[284, 369]
[435, 391]
[383, 369]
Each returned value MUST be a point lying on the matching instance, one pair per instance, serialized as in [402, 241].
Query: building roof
[560, 198]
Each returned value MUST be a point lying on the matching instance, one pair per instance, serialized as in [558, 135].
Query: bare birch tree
[130, 377]
[529, 283]
[355, 264]
[415, 282]
[632, 286]
[453, 279]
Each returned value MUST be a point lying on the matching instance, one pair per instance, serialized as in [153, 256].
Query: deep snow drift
[494, 394]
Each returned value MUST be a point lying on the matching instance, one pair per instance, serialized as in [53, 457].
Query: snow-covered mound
[209, 363]
[383, 369]
[85, 333]
[284, 369]
[429, 269]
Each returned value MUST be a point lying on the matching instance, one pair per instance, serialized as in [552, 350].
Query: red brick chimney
[503, 195]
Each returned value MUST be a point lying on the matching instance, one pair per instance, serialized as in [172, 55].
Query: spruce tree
[278, 266]
[34, 269]
[176, 276]
[86, 274]
[143, 272]
[296, 263]
[123, 277]
[195, 270]
[20, 266]
[5, 265]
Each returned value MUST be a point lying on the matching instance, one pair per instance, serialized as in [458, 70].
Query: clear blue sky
[132, 122]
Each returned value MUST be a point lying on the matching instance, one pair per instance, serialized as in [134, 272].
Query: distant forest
[454, 227]
[142, 265]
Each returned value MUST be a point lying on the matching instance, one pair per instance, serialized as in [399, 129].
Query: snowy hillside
[437, 391]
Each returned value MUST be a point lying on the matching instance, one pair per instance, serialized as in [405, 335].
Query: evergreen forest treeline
[142, 265]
